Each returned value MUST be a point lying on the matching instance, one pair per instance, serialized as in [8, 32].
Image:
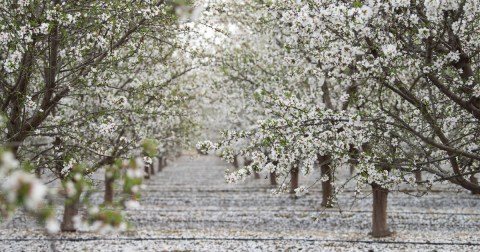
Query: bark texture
[160, 164]
[327, 188]
[273, 178]
[474, 180]
[235, 162]
[108, 199]
[152, 169]
[71, 210]
[293, 179]
[379, 214]
[418, 175]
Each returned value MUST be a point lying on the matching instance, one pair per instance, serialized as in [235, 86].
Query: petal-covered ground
[188, 207]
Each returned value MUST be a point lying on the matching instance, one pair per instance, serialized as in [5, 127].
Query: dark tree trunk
[354, 156]
[108, 200]
[256, 175]
[474, 180]
[379, 215]
[71, 210]
[147, 171]
[38, 172]
[294, 179]
[152, 169]
[418, 175]
[273, 178]
[247, 162]
[327, 188]
[160, 164]
[235, 162]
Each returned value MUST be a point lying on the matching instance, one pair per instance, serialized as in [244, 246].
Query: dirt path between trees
[188, 207]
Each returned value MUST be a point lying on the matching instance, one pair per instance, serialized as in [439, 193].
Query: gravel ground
[188, 207]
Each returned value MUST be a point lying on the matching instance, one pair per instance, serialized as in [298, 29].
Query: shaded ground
[188, 207]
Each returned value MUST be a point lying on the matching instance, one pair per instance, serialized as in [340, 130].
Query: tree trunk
[160, 164]
[474, 180]
[152, 169]
[247, 162]
[379, 215]
[273, 178]
[108, 200]
[418, 175]
[71, 210]
[38, 172]
[235, 162]
[327, 188]
[294, 179]
[354, 159]
[147, 171]
[256, 175]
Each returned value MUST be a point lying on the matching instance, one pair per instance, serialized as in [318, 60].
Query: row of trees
[387, 87]
[88, 85]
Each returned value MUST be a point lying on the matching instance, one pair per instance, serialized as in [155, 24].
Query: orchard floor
[188, 207]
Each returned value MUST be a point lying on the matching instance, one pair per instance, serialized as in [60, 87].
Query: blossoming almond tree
[407, 72]
[50, 49]
[70, 89]
[262, 61]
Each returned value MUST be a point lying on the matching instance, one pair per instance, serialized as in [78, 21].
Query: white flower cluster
[147, 160]
[68, 167]
[8, 162]
[21, 185]
[11, 63]
[70, 189]
[206, 146]
[435, 8]
[135, 171]
[132, 204]
[301, 191]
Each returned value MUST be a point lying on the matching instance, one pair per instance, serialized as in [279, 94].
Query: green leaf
[357, 4]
